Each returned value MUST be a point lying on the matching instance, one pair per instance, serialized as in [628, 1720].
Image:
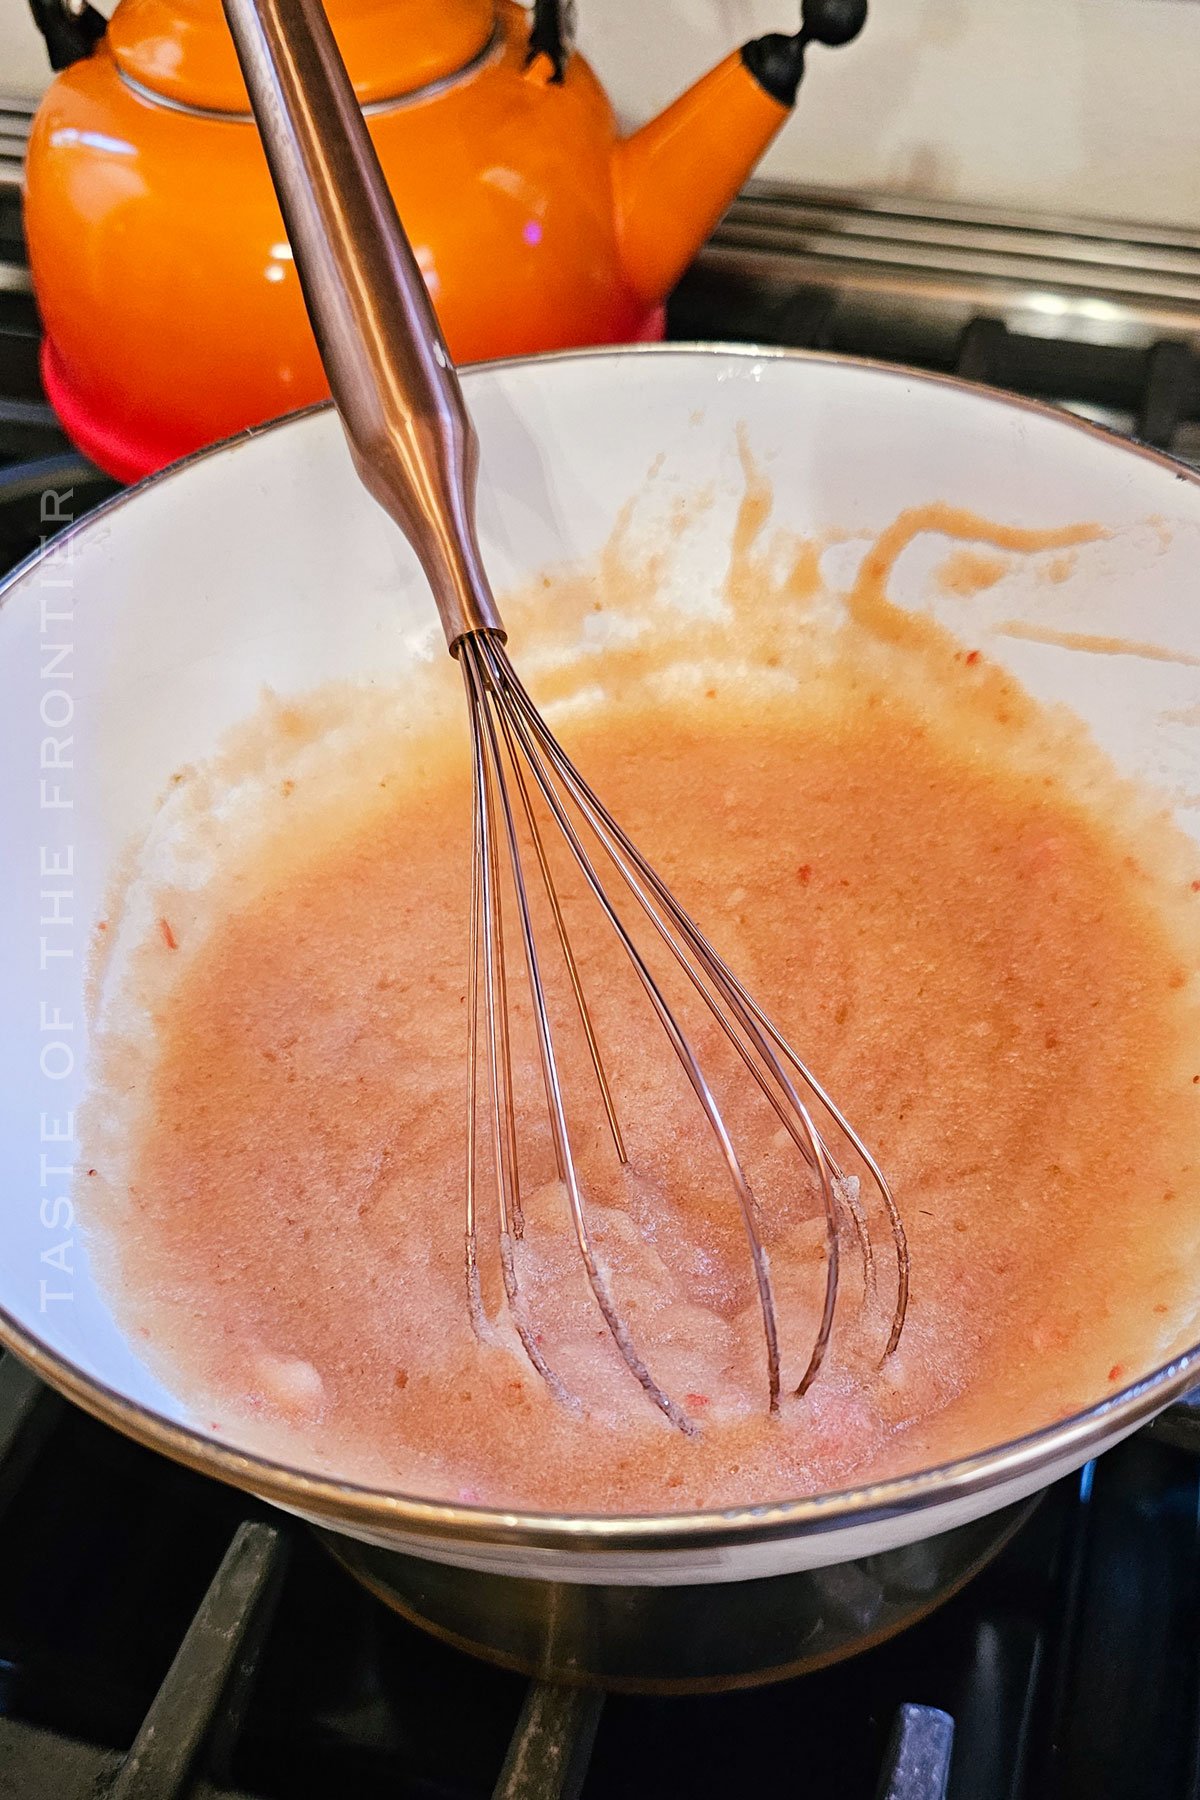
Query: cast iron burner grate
[163, 1638]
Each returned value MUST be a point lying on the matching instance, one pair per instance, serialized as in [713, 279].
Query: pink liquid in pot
[981, 940]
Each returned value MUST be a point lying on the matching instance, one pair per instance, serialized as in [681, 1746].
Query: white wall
[1089, 105]
[23, 66]
[1084, 105]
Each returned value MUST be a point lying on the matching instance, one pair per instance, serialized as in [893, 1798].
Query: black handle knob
[832, 21]
[777, 61]
[551, 34]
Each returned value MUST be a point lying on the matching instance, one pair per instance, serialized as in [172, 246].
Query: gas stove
[163, 1636]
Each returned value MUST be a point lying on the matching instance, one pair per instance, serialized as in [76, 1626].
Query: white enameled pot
[138, 639]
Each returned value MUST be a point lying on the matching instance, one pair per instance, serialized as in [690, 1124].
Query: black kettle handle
[71, 33]
[552, 34]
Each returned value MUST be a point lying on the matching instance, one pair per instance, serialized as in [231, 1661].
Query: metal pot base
[681, 1640]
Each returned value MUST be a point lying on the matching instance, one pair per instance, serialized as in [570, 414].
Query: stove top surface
[131, 1589]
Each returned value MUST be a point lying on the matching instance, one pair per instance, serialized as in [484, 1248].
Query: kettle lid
[181, 50]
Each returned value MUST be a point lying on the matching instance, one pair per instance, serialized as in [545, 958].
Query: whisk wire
[564, 941]
[474, 1290]
[487, 945]
[865, 1156]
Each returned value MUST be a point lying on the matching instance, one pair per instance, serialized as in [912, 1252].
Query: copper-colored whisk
[413, 444]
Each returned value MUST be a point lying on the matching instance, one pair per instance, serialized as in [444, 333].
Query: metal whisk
[414, 447]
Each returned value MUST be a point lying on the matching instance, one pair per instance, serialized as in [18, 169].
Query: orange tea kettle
[160, 264]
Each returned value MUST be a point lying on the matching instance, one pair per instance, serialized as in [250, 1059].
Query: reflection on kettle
[164, 277]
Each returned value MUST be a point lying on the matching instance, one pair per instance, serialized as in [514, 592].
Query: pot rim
[352, 1504]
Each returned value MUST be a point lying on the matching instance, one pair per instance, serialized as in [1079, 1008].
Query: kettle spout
[674, 177]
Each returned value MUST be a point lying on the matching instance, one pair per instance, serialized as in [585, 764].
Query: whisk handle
[393, 380]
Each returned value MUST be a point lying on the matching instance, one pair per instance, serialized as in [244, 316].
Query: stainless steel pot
[704, 1638]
